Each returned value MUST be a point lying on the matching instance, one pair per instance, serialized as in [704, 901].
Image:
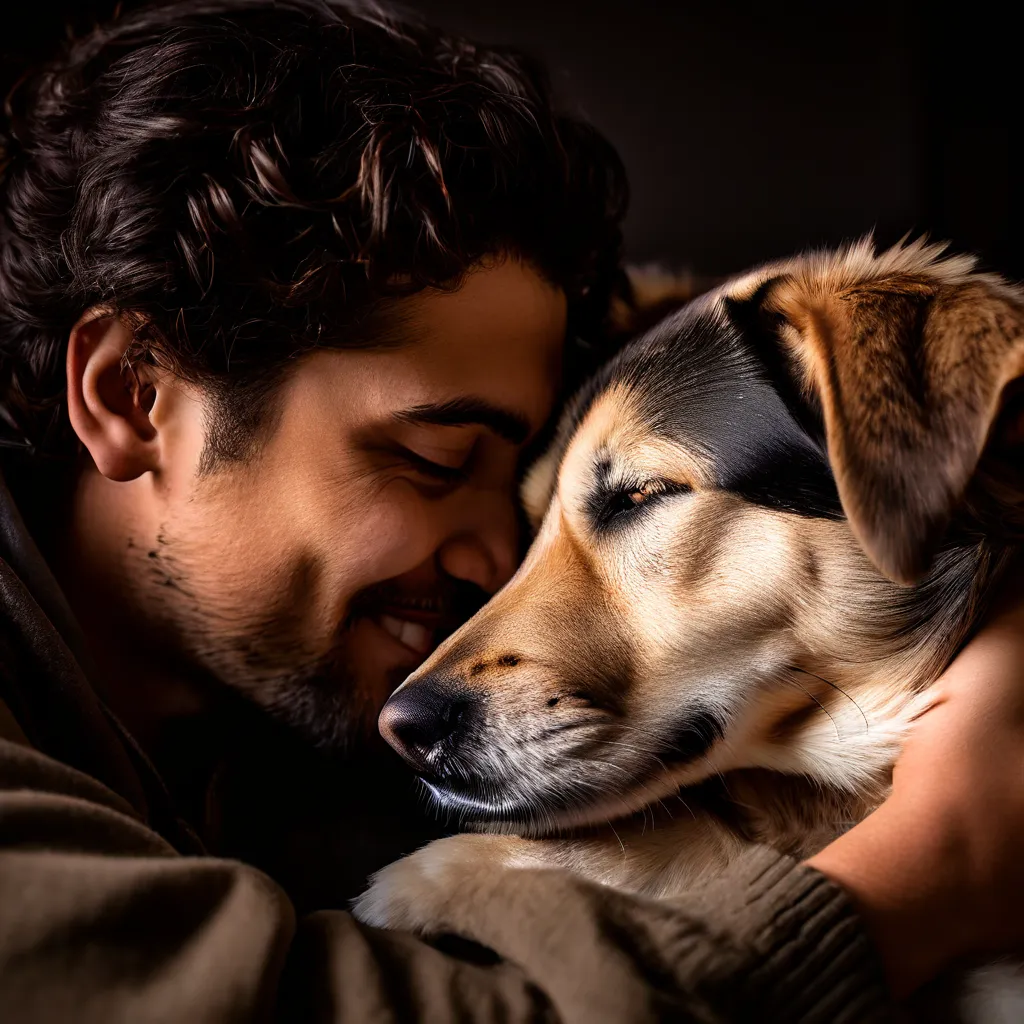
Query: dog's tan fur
[815, 638]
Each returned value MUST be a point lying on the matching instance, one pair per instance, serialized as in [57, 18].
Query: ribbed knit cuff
[808, 958]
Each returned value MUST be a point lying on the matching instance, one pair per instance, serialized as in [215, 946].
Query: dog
[763, 529]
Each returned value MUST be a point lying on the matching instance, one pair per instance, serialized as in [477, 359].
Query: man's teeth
[412, 634]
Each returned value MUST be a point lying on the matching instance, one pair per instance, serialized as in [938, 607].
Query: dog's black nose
[417, 718]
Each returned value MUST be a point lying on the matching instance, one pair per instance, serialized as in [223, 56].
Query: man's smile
[415, 633]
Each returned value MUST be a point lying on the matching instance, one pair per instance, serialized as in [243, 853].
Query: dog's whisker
[665, 808]
[835, 686]
[632, 747]
[646, 752]
[715, 770]
[621, 844]
[806, 692]
[679, 797]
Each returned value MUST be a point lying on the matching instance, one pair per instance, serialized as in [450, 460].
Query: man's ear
[909, 370]
[108, 403]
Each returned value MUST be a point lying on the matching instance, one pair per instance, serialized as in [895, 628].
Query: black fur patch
[691, 738]
[713, 379]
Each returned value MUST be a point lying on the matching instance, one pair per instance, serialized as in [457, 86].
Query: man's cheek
[387, 541]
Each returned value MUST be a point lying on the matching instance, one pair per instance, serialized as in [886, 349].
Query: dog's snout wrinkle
[504, 661]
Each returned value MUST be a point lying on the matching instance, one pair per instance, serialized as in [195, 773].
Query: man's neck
[140, 673]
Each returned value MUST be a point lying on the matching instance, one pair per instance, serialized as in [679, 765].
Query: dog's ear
[909, 370]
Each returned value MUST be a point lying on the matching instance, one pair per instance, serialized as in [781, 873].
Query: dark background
[751, 130]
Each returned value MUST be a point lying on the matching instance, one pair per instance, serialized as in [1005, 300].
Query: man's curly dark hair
[245, 181]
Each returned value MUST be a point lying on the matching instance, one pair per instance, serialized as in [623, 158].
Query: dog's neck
[851, 701]
[934, 619]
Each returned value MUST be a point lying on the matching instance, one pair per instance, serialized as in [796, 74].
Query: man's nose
[484, 553]
[417, 719]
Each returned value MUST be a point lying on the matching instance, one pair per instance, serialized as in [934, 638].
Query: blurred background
[752, 130]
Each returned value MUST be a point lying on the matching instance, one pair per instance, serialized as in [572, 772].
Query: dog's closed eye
[611, 506]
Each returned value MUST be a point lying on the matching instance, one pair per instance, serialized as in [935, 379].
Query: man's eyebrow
[463, 412]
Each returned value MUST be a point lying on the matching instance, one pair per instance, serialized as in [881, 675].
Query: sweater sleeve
[788, 945]
[102, 921]
[770, 940]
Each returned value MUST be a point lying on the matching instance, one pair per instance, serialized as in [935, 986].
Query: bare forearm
[935, 870]
[903, 889]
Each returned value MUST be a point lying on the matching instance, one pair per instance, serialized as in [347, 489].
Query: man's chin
[333, 700]
[318, 708]
[331, 706]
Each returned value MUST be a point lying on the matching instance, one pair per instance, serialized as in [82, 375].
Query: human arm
[102, 921]
[936, 870]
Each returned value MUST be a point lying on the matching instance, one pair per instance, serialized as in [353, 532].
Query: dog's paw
[430, 891]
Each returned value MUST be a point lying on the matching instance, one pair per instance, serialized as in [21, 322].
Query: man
[308, 275]
[285, 294]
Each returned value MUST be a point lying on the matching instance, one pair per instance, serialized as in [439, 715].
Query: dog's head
[743, 556]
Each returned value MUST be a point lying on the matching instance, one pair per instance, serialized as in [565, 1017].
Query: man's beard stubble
[323, 698]
[265, 658]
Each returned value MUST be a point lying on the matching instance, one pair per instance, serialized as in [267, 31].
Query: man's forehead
[499, 347]
[507, 296]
